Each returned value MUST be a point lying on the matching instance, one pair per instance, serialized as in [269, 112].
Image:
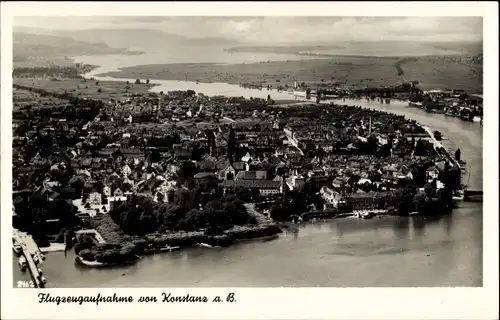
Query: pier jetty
[33, 255]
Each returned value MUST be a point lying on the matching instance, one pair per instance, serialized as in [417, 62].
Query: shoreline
[153, 243]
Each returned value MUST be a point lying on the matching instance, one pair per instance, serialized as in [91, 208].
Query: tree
[187, 170]
[137, 81]
[147, 223]
[402, 201]
[421, 201]
[354, 179]
[458, 155]
[194, 219]
[429, 189]
[207, 184]
[280, 212]
[183, 199]
[437, 135]
[85, 242]
[231, 145]
[77, 182]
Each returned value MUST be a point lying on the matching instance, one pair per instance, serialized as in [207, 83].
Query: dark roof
[17, 200]
[259, 184]
[319, 179]
[131, 150]
[252, 175]
[222, 164]
[106, 151]
[181, 152]
[370, 194]
[240, 165]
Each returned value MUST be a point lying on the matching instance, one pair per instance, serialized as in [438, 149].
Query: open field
[431, 72]
[105, 90]
[24, 97]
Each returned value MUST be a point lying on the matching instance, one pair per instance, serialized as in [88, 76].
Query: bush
[437, 135]
[87, 255]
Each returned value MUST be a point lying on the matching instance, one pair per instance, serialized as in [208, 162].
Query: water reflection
[339, 230]
[401, 227]
[448, 223]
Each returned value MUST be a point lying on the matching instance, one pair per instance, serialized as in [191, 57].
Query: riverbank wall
[439, 146]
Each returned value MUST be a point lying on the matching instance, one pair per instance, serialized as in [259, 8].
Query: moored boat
[415, 104]
[23, 263]
[96, 264]
[170, 248]
[205, 245]
[17, 248]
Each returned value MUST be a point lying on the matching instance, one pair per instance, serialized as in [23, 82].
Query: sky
[280, 29]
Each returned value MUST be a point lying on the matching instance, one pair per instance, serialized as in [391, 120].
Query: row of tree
[190, 210]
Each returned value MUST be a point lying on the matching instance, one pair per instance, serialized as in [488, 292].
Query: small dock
[29, 251]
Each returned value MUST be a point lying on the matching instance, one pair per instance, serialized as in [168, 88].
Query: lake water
[393, 251]
[189, 54]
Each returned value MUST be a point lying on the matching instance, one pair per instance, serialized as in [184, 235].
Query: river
[387, 252]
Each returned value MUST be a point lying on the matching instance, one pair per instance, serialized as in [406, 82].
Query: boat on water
[205, 245]
[169, 248]
[415, 104]
[23, 263]
[414, 213]
[18, 249]
[96, 264]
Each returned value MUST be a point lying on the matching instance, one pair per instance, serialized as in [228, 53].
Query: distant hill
[367, 48]
[135, 39]
[31, 47]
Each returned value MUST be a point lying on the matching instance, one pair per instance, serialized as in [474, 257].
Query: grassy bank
[350, 71]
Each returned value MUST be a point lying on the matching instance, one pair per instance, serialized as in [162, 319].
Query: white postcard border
[284, 303]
